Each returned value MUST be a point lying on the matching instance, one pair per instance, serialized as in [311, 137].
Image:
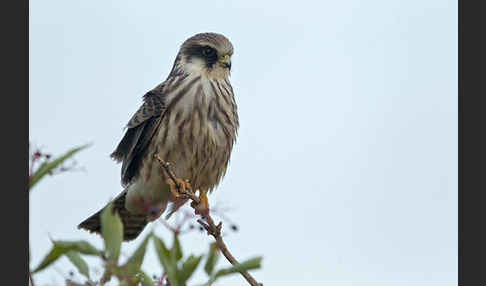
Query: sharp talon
[203, 207]
[172, 188]
[182, 185]
[179, 187]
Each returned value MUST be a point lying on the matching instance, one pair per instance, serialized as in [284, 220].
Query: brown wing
[141, 128]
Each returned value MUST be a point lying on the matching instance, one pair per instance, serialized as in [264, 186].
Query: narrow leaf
[169, 265]
[176, 247]
[112, 232]
[79, 262]
[51, 257]
[161, 248]
[188, 268]
[60, 247]
[46, 167]
[212, 258]
[135, 261]
[253, 263]
[81, 246]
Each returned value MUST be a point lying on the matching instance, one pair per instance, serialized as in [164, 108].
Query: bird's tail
[133, 224]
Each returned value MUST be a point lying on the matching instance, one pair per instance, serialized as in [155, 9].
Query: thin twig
[178, 227]
[30, 272]
[30, 278]
[207, 222]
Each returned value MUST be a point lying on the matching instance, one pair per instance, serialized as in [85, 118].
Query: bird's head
[206, 54]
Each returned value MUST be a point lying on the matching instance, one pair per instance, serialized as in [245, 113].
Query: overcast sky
[345, 168]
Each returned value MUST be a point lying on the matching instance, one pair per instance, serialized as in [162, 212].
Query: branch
[31, 280]
[206, 221]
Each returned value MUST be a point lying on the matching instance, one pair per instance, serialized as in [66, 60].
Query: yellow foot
[203, 207]
[184, 185]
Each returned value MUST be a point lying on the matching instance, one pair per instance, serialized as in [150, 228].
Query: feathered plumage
[189, 120]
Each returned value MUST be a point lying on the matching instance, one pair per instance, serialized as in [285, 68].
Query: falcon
[189, 120]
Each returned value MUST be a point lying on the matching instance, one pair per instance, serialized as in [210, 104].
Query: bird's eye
[208, 51]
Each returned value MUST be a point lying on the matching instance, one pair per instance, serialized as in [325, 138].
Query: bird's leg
[203, 207]
[184, 185]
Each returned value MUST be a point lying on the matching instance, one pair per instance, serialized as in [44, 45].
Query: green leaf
[51, 257]
[212, 258]
[60, 247]
[81, 246]
[161, 248]
[188, 267]
[135, 261]
[124, 283]
[79, 262]
[46, 167]
[253, 263]
[169, 265]
[146, 280]
[176, 247]
[112, 232]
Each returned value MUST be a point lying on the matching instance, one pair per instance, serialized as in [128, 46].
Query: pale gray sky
[345, 169]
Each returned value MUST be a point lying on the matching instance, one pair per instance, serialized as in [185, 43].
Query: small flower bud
[37, 155]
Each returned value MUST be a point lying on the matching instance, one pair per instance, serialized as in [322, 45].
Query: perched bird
[189, 120]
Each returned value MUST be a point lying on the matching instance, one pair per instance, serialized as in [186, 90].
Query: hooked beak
[225, 61]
